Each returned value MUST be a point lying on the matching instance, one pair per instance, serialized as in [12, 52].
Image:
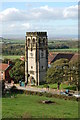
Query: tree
[74, 73]
[18, 71]
[58, 70]
[5, 60]
[63, 70]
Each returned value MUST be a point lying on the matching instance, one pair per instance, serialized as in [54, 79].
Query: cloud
[15, 28]
[12, 14]
[20, 25]
[47, 13]
[40, 13]
[12, 25]
[71, 12]
[26, 25]
[43, 18]
[46, 8]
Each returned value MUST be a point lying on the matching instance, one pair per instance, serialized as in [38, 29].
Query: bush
[40, 94]
[14, 89]
[52, 95]
[46, 86]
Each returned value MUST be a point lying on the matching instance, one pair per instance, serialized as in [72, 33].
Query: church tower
[36, 57]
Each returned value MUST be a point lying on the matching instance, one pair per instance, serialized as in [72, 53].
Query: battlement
[40, 34]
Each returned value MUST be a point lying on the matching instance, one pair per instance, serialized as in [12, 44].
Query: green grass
[62, 86]
[30, 106]
[11, 56]
[65, 50]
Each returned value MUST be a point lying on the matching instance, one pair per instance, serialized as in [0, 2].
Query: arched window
[44, 41]
[33, 40]
[28, 41]
[39, 40]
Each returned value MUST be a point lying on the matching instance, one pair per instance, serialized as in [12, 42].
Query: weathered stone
[36, 57]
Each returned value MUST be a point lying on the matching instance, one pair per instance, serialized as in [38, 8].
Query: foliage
[5, 60]
[17, 47]
[52, 46]
[46, 85]
[17, 72]
[13, 49]
[62, 44]
[61, 70]
[56, 72]
[74, 73]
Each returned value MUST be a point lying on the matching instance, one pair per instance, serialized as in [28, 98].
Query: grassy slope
[29, 106]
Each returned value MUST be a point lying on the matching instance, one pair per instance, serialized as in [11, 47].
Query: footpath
[35, 89]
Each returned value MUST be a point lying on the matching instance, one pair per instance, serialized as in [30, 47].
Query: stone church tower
[36, 57]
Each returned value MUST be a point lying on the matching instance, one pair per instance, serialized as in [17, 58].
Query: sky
[59, 19]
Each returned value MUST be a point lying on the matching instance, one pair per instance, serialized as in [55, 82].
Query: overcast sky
[58, 19]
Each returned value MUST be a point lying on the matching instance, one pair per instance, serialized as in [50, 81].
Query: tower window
[43, 67]
[28, 41]
[31, 54]
[39, 40]
[44, 41]
[31, 67]
[42, 54]
[33, 40]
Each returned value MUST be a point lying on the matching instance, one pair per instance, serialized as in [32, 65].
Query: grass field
[29, 106]
[62, 86]
[65, 50]
[11, 56]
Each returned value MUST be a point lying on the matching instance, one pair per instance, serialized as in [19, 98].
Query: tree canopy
[18, 72]
[63, 70]
[56, 72]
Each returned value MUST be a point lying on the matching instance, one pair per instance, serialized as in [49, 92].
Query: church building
[36, 57]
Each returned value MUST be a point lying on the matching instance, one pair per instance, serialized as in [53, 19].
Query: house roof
[75, 57]
[3, 66]
[51, 56]
[63, 55]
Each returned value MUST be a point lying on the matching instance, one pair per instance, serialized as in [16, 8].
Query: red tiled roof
[3, 66]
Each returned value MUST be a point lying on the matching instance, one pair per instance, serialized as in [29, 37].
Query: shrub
[40, 94]
[13, 89]
[46, 85]
[52, 95]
